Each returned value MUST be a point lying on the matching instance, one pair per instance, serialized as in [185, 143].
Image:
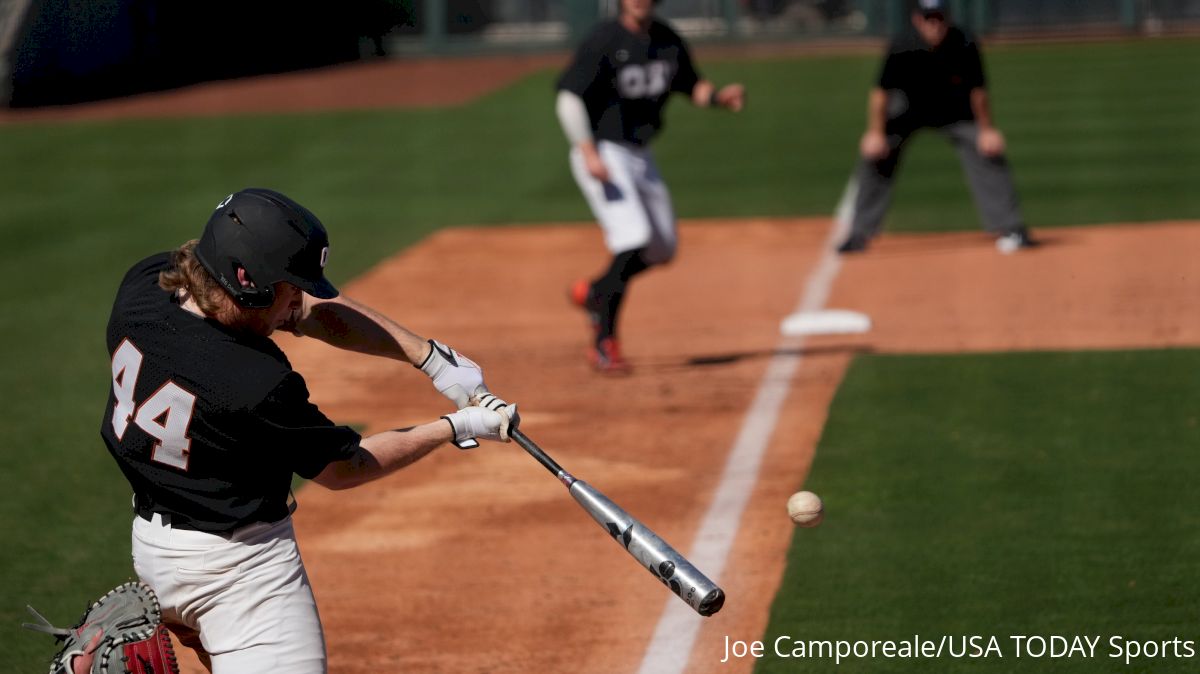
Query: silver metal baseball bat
[652, 552]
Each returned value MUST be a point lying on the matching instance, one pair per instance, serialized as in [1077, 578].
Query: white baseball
[805, 509]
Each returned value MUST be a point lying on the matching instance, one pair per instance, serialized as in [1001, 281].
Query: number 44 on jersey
[164, 415]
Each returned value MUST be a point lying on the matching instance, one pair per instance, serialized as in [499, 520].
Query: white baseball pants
[247, 594]
[634, 208]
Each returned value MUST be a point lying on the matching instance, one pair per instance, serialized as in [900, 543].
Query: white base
[825, 322]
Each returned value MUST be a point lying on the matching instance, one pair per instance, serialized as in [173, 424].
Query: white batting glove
[454, 375]
[474, 422]
[509, 412]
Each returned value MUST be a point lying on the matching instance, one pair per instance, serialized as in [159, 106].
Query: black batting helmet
[270, 236]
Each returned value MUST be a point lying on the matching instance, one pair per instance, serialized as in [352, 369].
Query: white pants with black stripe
[634, 208]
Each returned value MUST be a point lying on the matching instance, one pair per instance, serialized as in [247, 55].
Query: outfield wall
[60, 51]
[55, 52]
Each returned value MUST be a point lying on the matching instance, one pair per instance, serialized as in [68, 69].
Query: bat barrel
[654, 554]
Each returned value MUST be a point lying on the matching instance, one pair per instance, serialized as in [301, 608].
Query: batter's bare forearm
[702, 94]
[349, 325]
[385, 453]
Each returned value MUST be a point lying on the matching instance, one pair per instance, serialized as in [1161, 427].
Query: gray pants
[989, 177]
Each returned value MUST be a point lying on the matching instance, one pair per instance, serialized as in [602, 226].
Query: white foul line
[678, 625]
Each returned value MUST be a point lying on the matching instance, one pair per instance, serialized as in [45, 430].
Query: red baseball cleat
[606, 357]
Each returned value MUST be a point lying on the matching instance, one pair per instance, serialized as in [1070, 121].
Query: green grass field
[1097, 133]
[998, 495]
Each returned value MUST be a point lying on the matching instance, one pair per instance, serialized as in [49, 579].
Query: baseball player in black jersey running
[933, 78]
[208, 422]
[610, 102]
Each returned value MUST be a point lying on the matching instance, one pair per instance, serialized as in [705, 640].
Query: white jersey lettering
[649, 80]
[165, 415]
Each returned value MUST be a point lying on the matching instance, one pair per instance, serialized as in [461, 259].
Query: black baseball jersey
[937, 82]
[206, 423]
[625, 79]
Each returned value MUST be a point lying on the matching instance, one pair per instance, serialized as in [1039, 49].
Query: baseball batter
[208, 422]
[610, 103]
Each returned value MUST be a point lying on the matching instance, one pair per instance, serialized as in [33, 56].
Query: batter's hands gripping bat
[652, 552]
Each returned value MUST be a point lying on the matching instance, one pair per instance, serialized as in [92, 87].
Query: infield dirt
[509, 573]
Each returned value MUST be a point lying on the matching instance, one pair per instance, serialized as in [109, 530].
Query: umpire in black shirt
[933, 78]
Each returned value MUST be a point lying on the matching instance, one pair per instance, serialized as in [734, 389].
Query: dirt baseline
[479, 562]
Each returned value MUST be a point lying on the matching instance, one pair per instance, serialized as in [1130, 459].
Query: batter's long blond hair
[187, 274]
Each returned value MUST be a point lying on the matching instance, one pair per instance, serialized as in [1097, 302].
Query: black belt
[148, 515]
[143, 509]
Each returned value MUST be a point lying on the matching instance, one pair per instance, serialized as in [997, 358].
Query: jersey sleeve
[890, 76]
[298, 432]
[973, 76]
[588, 65]
[687, 77]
